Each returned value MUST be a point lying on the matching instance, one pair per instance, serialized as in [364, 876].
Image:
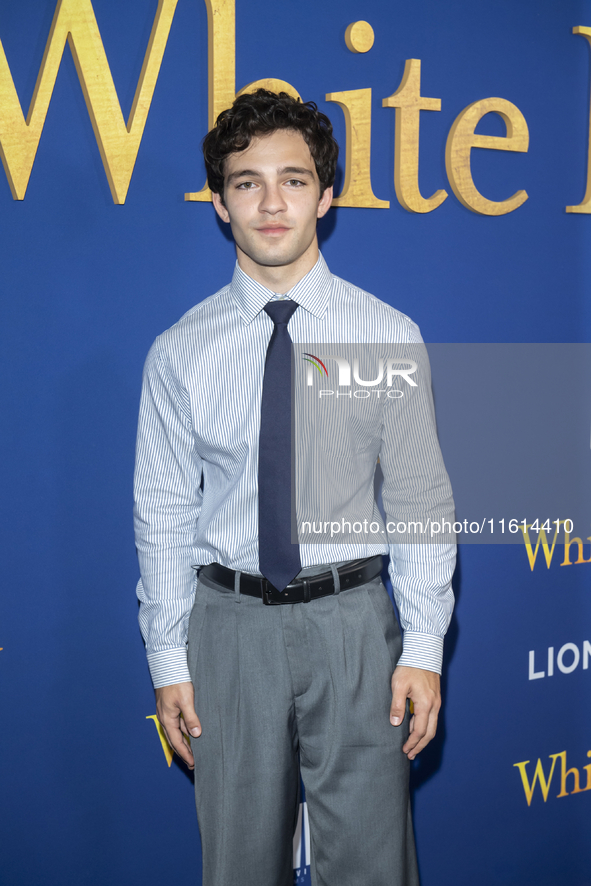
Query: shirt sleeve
[167, 505]
[417, 493]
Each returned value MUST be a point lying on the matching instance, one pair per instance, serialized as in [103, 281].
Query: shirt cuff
[422, 651]
[168, 667]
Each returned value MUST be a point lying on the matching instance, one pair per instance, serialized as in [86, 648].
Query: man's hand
[422, 687]
[176, 712]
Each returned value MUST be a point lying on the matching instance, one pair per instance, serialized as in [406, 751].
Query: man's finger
[177, 742]
[192, 726]
[190, 720]
[425, 739]
[398, 706]
[418, 731]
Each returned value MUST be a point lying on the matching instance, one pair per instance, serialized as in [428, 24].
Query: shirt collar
[312, 292]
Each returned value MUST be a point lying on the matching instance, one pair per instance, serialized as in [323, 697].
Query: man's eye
[295, 182]
[246, 186]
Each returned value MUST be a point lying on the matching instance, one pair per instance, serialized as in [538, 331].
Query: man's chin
[275, 257]
[276, 261]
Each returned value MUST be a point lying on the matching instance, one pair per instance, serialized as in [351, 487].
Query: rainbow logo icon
[316, 362]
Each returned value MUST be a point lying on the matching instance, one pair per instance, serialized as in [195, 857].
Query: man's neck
[279, 278]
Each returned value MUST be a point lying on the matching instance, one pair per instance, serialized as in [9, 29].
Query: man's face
[272, 199]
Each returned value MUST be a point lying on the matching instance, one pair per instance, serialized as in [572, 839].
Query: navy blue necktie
[279, 559]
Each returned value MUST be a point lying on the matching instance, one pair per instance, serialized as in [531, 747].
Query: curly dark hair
[261, 113]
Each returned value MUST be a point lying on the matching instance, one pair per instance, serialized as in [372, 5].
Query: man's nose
[272, 200]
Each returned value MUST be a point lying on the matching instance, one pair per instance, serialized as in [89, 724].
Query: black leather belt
[353, 574]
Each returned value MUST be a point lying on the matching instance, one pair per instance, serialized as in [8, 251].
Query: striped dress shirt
[197, 463]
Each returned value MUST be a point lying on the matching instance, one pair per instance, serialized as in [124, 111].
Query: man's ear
[219, 207]
[325, 202]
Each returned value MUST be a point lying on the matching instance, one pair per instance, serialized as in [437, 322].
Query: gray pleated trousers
[299, 685]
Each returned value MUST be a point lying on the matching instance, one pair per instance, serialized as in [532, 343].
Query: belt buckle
[273, 597]
[268, 594]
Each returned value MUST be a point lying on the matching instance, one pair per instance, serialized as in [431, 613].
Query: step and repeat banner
[463, 195]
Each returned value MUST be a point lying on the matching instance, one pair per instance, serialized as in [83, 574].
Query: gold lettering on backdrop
[409, 103]
[272, 84]
[357, 190]
[359, 37]
[541, 537]
[564, 774]
[585, 206]
[168, 751]
[118, 142]
[568, 541]
[462, 139]
[221, 48]
[538, 776]
[74, 21]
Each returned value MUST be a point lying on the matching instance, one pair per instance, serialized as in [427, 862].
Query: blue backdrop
[87, 795]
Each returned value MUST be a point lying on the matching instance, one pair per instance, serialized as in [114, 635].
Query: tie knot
[281, 311]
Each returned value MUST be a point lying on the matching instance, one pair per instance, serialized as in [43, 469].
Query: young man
[291, 658]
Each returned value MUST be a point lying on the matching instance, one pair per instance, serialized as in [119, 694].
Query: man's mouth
[273, 230]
